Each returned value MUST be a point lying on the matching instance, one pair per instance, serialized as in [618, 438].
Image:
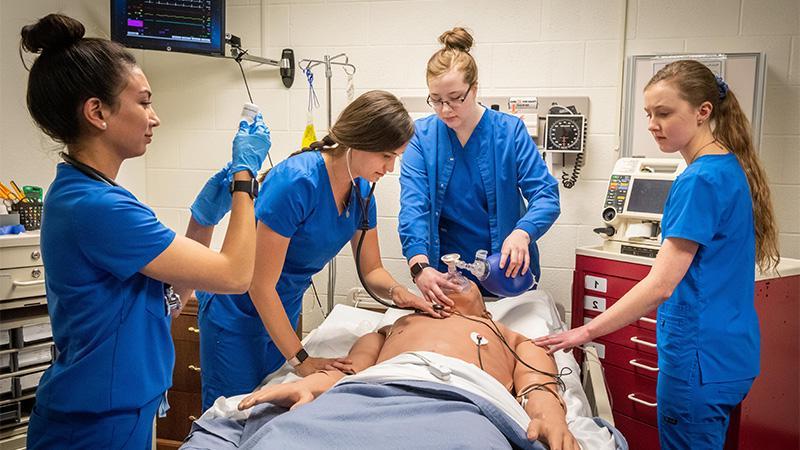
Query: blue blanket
[355, 415]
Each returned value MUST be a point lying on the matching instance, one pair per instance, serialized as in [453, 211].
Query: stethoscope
[89, 171]
[172, 301]
[364, 227]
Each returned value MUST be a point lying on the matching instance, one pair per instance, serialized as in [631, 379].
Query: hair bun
[457, 39]
[51, 32]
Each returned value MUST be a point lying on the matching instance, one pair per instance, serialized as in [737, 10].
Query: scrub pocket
[674, 337]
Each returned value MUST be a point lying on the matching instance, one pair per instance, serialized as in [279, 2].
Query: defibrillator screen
[648, 196]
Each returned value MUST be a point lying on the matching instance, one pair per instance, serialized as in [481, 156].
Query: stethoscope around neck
[89, 171]
[172, 301]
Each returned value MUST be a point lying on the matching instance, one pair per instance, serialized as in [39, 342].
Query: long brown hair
[376, 121]
[454, 55]
[697, 84]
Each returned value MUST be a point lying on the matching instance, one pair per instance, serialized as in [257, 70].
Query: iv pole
[329, 61]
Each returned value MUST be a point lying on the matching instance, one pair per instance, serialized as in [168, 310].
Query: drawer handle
[194, 330]
[635, 363]
[636, 340]
[192, 418]
[35, 255]
[27, 283]
[633, 398]
[648, 320]
[193, 367]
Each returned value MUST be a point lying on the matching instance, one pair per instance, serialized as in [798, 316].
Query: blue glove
[214, 200]
[250, 146]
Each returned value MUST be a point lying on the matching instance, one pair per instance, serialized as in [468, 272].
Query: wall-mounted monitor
[191, 26]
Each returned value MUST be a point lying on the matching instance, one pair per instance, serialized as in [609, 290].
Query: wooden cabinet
[767, 418]
[184, 395]
[26, 338]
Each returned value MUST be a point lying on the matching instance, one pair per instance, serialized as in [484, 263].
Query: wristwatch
[251, 187]
[417, 268]
[298, 359]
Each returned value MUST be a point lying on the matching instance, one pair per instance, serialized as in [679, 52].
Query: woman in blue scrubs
[718, 223]
[107, 257]
[464, 177]
[310, 206]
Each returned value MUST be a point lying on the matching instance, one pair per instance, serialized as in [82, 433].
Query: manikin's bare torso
[451, 337]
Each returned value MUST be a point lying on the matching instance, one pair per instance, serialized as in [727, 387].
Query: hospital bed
[532, 314]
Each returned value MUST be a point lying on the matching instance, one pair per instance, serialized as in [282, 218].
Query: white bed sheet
[532, 314]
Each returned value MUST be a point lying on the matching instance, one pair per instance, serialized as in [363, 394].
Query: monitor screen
[648, 196]
[193, 26]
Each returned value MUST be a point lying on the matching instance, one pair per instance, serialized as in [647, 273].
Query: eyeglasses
[453, 104]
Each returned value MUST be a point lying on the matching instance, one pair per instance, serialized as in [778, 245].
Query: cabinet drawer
[632, 395]
[607, 285]
[632, 337]
[640, 363]
[6, 387]
[184, 328]
[593, 304]
[25, 256]
[31, 356]
[34, 332]
[184, 409]
[25, 384]
[186, 375]
[640, 436]
[21, 282]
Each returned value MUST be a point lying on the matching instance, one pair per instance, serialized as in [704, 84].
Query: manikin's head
[469, 301]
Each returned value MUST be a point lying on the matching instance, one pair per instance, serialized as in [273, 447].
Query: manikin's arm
[364, 353]
[545, 406]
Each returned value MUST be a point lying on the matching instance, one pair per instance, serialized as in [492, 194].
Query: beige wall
[537, 47]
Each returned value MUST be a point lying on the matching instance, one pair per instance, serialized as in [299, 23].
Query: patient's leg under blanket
[393, 415]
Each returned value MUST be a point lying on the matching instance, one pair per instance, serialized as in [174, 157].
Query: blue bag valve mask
[487, 270]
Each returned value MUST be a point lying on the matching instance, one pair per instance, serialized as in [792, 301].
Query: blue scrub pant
[693, 414]
[233, 363]
[117, 430]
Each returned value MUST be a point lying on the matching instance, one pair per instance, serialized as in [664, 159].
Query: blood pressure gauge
[565, 133]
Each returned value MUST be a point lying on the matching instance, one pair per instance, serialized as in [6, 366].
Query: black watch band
[250, 186]
[417, 268]
[298, 359]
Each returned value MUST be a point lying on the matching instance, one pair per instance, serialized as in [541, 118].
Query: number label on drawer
[596, 284]
[594, 303]
[601, 349]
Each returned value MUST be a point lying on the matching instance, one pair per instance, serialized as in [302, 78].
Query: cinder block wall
[535, 47]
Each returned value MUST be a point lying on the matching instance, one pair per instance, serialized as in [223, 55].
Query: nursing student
[108, 260]
[309, 207]
[718, 224]
[464, 177]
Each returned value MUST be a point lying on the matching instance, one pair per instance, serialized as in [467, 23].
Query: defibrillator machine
[634, 204]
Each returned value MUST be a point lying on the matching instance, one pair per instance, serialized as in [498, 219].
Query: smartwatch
[417, 268]
[251, 187]
[298, 359]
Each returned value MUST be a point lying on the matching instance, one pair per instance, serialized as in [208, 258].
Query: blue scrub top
[110, 322]
[711, 312]
[466, 233]
[296, 201]
[511, 170]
